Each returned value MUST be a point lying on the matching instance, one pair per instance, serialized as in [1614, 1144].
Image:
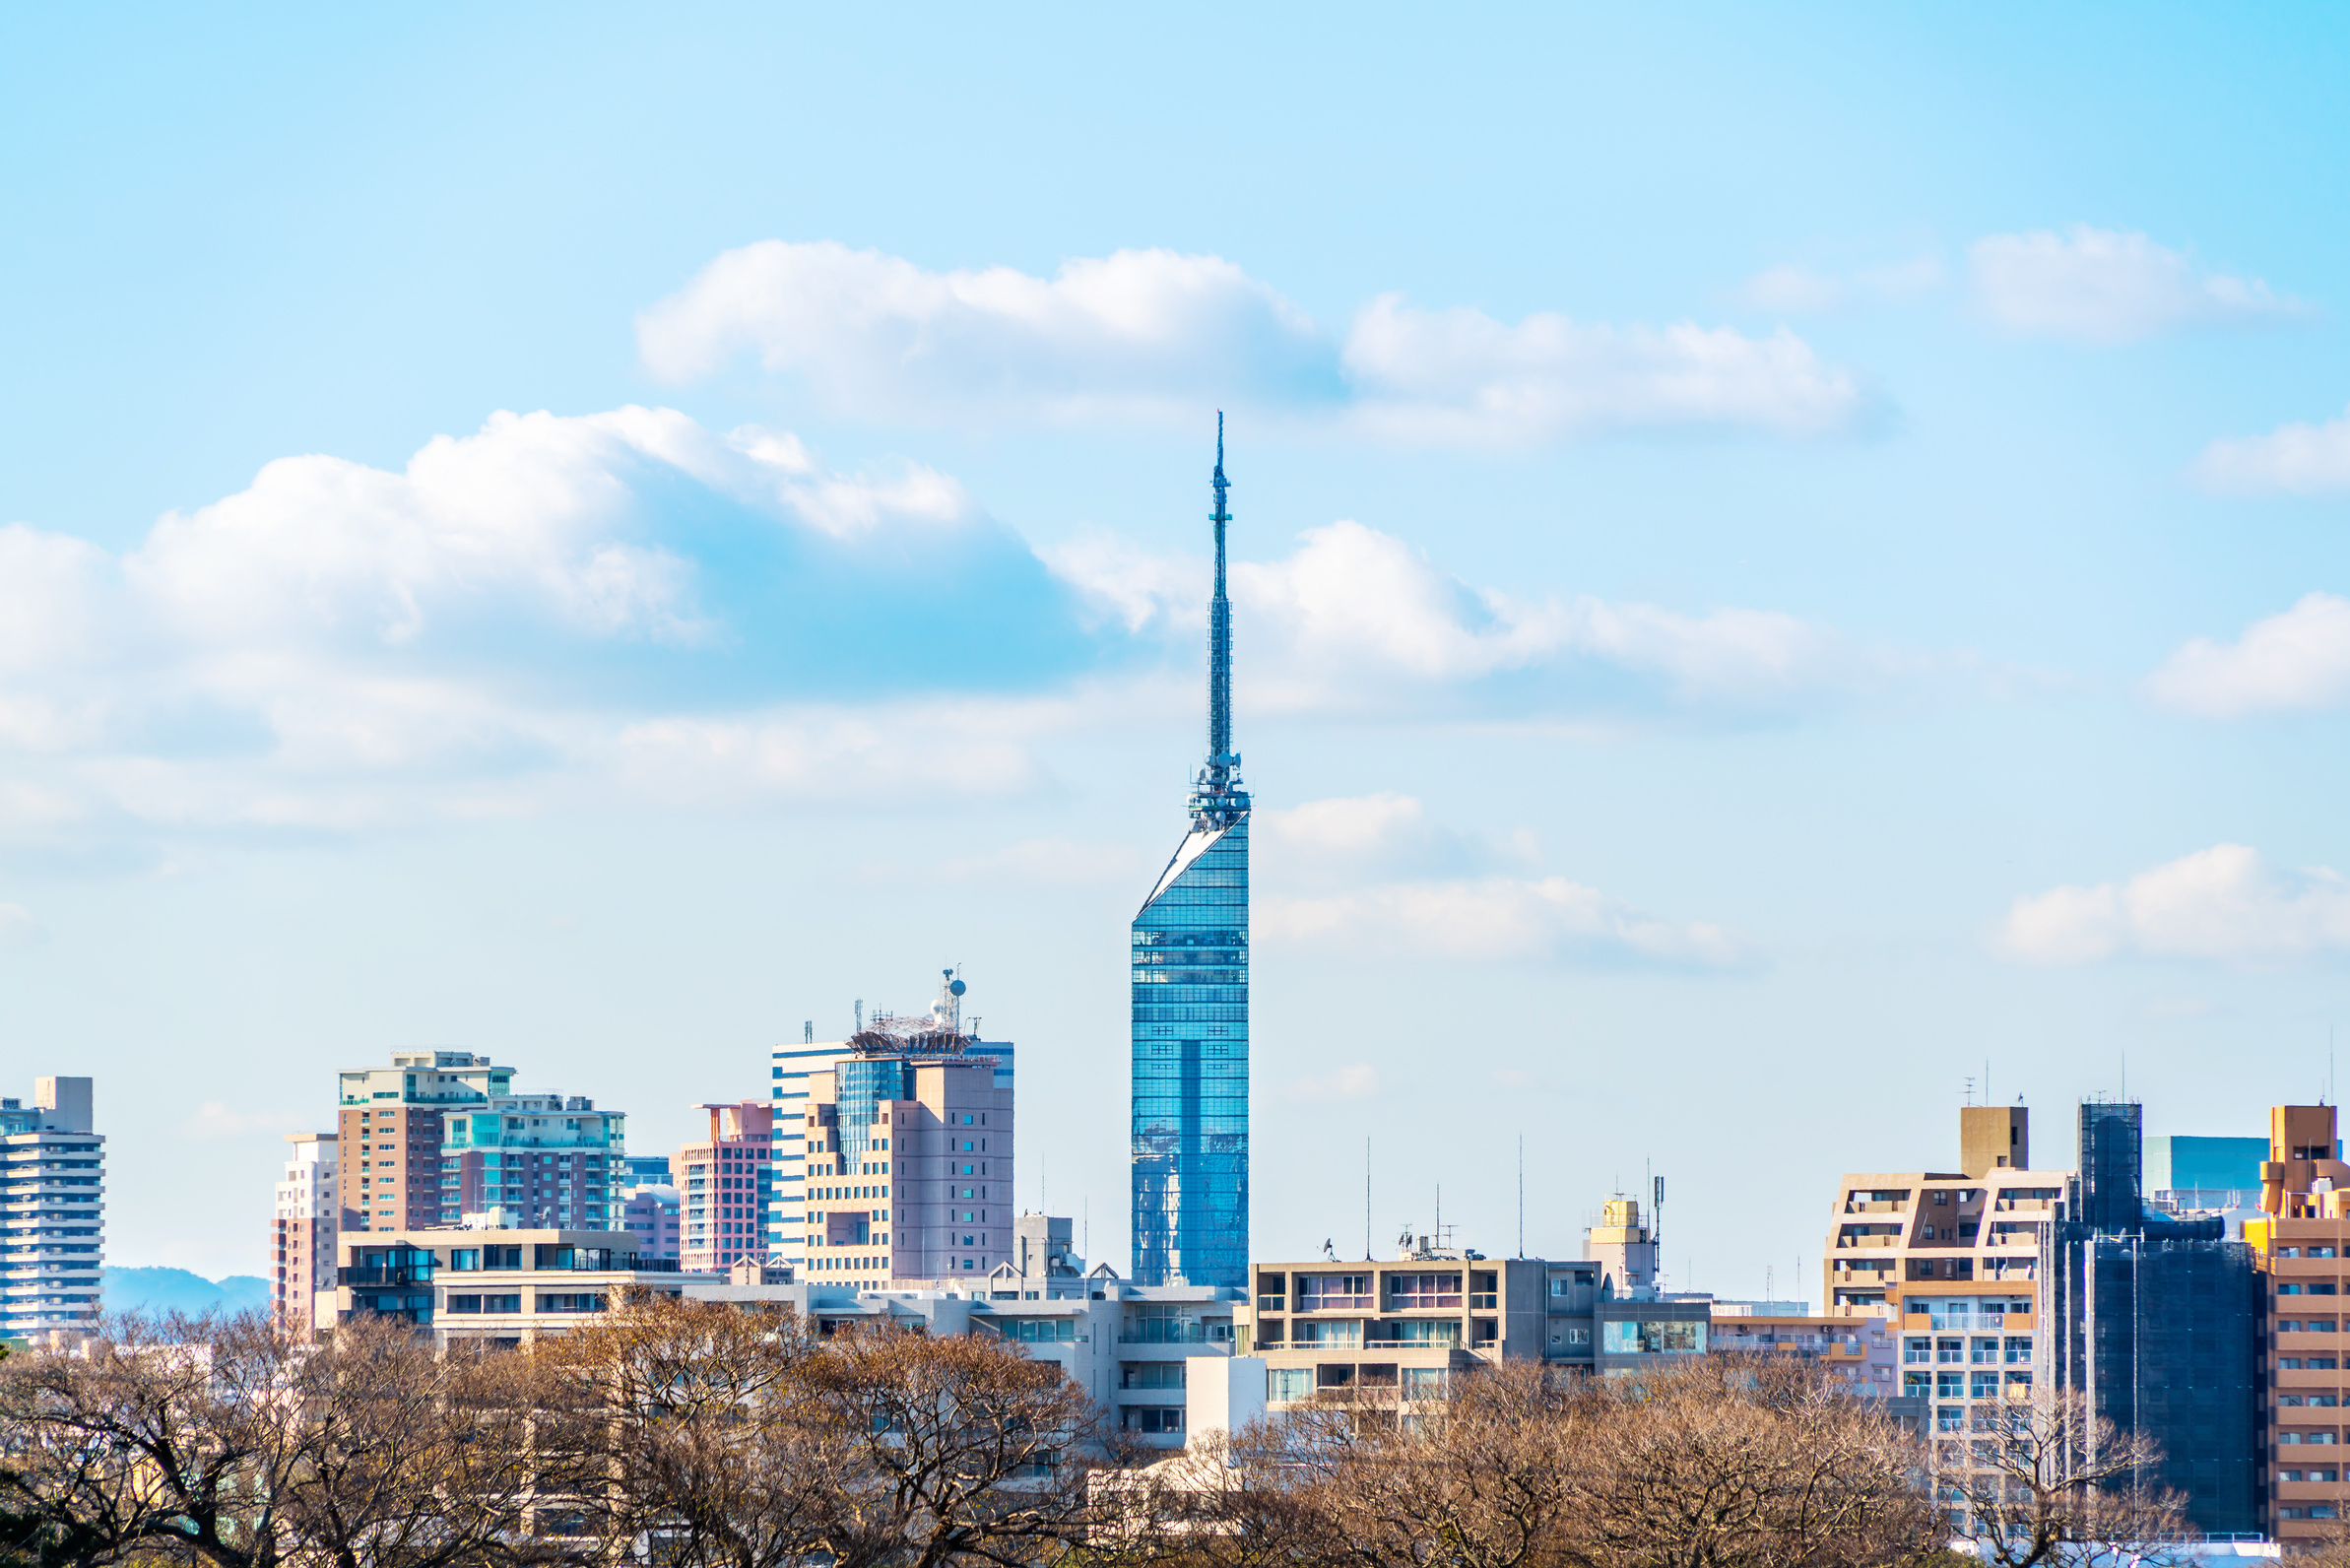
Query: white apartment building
[303, 1227]
[52, 1208]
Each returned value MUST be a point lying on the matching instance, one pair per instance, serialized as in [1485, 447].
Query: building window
[1288, 1383]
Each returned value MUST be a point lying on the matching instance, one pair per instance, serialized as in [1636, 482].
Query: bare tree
[410, 1456]
[172, 1440]
[965, 1451]
[715, 1454]
[2051, 1478]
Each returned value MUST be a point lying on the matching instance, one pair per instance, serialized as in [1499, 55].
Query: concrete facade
[509, 1286]
[306, 1223]
[1399, 1330]
[2300, 1246]
[52, 1209]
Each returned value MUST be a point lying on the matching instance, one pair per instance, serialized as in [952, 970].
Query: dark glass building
[2158, 1320]
[1190, 973]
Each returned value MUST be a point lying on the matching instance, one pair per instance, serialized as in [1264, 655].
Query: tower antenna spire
[1217, 799]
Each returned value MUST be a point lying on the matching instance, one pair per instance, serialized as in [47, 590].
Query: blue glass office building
[1190, 953]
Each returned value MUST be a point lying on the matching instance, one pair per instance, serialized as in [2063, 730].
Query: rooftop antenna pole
[1366, 1198]
[1521, 1195]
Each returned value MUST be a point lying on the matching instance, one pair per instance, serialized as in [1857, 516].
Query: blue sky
[1780, 559]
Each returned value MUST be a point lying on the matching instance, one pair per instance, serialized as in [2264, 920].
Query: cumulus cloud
[2295, 661]
[2225, 902]
[1357, 619]
[1496, 918]
[2102, 287]
[1459, 376]
[1154, 334]
[624, 597]
[2296, 459]
[1137, 330]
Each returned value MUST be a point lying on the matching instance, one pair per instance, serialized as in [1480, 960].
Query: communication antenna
[1366, 1198]
[807, 1032]
[860, 1015]
[1521, 1195]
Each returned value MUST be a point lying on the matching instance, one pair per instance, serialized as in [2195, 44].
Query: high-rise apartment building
[389, 1129]
[2156, 1323]
[305, 1222]
[440, 1135]
[52, 1208]
[1896, 1235]
[536, 1159]
[909, 1150]
[1188, 973]
[724, 1183]
[2299, 1245]
[794, 1068]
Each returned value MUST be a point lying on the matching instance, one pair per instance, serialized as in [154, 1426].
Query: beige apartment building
[2299, 1249]
[1896, 1235]
[908, 1170]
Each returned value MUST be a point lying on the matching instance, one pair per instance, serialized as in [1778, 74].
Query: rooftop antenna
[1366, 1198]
[807, 1032]
[1521, 1195]
[860, 1015]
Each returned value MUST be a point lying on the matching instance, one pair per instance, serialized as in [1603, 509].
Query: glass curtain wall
[1191, 1069]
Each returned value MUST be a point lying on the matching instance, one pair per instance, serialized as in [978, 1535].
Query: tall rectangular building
[2156, 1322]
[304, 1225]
[53, 1208]
[1188, 973]
[2299, 1245]
[795, 1069]
[909, 1168]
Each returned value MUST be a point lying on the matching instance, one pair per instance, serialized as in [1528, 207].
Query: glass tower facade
[1189, 976]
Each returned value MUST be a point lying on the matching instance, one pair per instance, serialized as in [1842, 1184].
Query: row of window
[1292, 1383]
[1964, 1385]
[1984, 1351]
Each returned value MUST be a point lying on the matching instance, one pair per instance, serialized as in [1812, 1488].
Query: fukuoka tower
[1191, 1007]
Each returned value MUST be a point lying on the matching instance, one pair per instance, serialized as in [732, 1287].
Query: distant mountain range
[160, 1290]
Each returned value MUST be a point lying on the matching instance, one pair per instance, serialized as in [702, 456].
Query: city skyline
[1784, 555]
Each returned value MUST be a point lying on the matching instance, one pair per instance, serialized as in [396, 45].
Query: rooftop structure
[52, 1210]
[1188, 973]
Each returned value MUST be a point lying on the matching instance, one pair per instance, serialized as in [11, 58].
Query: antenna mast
[1217, 798]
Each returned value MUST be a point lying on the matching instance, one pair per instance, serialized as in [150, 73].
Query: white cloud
[2297, 660]
[1135, 331]
[1153, 334]
[1357, 619]
[1350, 838]
[1459, 376]
[18, 928]
[2225, 902]
[1358, 1081]
[1496, 918]
[2294, 460]
[622, 603]
[2099, 286]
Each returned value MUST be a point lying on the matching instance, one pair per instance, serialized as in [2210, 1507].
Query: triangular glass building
[1190, 1007]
